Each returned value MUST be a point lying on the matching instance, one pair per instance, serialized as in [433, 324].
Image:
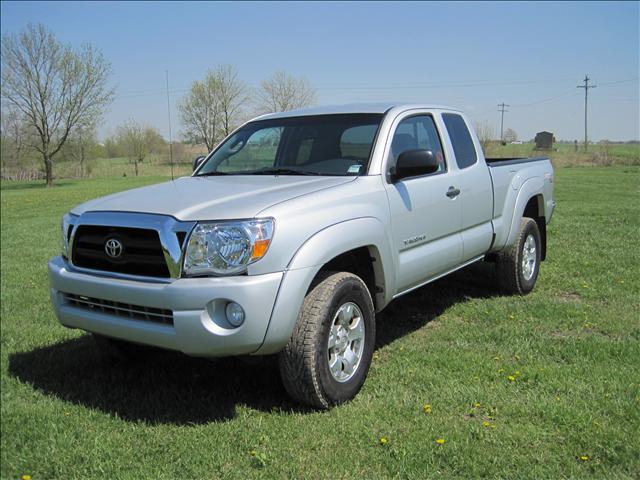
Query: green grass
[564, 154]
[572, 347]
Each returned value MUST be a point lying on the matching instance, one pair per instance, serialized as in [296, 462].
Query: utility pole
[169, 115]
[586, 87]
[501, 108]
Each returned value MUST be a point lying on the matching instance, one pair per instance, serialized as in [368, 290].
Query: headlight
[226, 248]
[68, 220]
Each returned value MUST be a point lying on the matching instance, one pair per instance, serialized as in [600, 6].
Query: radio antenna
[169, 115]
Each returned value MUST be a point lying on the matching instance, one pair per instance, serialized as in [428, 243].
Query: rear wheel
[329, 353]
[519, 265]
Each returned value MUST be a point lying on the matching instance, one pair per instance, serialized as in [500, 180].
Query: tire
[305, 361]
[119, 350]
[516, 273]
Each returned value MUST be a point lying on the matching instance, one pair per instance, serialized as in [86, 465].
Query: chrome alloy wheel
[529, 257]
[346, 342]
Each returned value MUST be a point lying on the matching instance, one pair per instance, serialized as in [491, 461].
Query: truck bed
[498, 162]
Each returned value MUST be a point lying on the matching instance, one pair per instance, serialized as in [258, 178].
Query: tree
[485, 133]
[80, 146]
[214, 106]
[233, 98]
[13, 137]
[510, 135]
[56, 88]
[136, 141]
[282, 92]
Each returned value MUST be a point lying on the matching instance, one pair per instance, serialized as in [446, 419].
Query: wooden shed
[544, 140]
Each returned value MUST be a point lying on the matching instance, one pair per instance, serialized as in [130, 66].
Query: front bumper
[198, 305]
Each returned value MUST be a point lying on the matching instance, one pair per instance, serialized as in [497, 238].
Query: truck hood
[212, 198]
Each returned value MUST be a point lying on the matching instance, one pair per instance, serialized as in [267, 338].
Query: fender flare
[342, 237]
[530, 188]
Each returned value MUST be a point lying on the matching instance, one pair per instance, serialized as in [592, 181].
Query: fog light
[235, 314]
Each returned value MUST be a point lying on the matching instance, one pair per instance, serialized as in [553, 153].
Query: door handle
[453, 192]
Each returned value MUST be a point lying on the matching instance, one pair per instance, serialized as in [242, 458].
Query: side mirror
[198, 161]
[412, 163]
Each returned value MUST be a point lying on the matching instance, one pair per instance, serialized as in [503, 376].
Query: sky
[471, 55]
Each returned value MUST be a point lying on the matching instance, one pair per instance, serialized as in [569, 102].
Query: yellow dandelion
[384, 440]
[517, 373]
[477, 405]
[426, 408]
[253, 453]
[25, 477]
[440, 441]
[584, 458]
[486, 424]
[501, 370]
[511, 378]
[557, 397]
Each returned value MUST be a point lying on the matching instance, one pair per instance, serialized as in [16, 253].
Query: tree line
[54, 96]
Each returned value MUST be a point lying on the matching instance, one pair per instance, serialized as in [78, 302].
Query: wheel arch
[358, 246]
[529, 203]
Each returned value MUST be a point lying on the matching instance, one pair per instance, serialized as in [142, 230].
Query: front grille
[141, 254]
[125, 310]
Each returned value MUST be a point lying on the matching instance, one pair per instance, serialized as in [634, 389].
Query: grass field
[542, 386]
[156, 165]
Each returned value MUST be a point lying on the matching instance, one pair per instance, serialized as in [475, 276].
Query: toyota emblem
[114, 248]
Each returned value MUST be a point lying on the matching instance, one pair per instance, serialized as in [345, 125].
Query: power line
[586, 87]
[501, 108]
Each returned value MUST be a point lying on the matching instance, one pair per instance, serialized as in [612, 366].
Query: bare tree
[510, 135]
[13, 137]
[233, 97]
[80, 145]
[136, 141]
[214, 106]
[485, 133]
[282, 92]
[55, 87]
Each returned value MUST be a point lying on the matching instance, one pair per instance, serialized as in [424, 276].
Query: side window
[415, 133]
[460, 139]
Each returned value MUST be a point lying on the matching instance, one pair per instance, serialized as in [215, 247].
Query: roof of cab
[382, 107]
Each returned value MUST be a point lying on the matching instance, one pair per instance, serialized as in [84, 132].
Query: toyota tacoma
[292, 233]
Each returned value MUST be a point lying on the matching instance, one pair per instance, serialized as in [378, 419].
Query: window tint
[324, 145]
[461, 140]
[356, 142]
[258, 152]
[415, 133]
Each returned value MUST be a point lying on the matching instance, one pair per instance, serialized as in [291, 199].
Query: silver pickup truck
[294, 232]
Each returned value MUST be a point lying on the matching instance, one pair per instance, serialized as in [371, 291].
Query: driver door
[426, 222]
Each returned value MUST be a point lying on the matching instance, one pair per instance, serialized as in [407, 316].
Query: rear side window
[460, 139]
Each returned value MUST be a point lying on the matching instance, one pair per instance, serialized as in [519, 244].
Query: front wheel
[327, 358]
[519, 265]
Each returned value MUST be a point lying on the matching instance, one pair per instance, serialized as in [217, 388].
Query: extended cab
[293, 232]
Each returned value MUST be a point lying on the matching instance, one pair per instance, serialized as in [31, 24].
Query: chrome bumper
[198, 306]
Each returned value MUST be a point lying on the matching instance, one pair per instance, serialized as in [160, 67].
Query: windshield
[314, 145]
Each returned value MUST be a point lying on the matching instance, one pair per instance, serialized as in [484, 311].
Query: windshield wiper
[211, 174]
[282, 171]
